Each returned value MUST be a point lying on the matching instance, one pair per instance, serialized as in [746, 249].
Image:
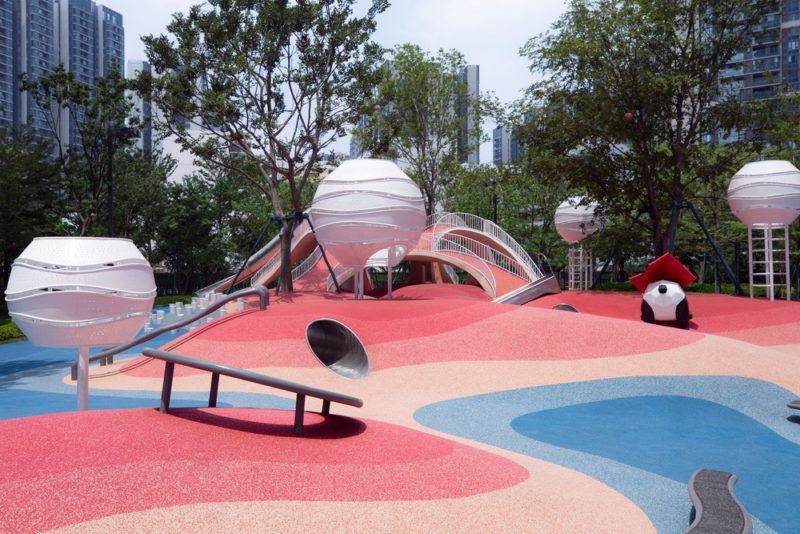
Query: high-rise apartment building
[469, 140]
[142, 109]
[505, 147]
[8, 33]
[90, 42]
[26, 46]
[773, 58]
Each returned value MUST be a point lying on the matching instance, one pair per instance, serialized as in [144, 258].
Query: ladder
[579, 268]
[769, 258]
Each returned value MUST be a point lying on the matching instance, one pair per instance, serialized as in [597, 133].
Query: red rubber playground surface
[376, 468]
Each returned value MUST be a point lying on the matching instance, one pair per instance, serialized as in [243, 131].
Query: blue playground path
[31, 384]
[645, 436]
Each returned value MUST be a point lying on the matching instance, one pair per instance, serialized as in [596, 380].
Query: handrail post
[212, 394]
[299, 411]
[166, 388]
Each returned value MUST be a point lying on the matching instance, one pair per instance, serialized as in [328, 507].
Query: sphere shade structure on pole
[364, 206]
[574, 222]
[80, 292]
[765, 192]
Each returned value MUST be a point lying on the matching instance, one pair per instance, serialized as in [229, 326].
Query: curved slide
[491, 259]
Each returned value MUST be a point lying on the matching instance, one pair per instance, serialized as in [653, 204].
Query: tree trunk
[286, 256]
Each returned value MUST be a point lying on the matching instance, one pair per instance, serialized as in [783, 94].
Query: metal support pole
[787, 266]
[750, 258]
[389, 269]
[166, 388]
[714, 245]
[212, 394]
[299, 411]
[326, 407]
[768, 261]
[110, 141]
[83, 378]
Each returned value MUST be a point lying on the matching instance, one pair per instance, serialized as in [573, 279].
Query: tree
[523, 205]
[633, 96]
[268, 85]
[29, 200]
[140, 183]
[187, 235]
[412, 117]
[95, 114]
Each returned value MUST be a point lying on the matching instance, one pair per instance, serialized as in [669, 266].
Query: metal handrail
[447, 244]
[216, 369]
[473, 222]
[263, 300]
[488, 254]
[257, 279]
[307, 264]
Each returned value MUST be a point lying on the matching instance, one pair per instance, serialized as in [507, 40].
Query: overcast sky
[488, 32]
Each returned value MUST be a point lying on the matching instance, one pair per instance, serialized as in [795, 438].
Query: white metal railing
[307, 264]
[459, 245]
[258, 278]
[473, 222]
[486, 254]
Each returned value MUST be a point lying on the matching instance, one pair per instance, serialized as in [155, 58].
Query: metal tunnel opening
[337, 348]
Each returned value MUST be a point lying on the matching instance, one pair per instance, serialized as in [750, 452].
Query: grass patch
[166, 300]
[9, 331]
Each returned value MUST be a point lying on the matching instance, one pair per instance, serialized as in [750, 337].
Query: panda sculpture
[662, 285]
[665, 301]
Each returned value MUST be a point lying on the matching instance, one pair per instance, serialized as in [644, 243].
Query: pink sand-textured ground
[372, 469]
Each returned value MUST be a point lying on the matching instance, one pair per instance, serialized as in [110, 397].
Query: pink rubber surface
[411, 332]
[72, 467]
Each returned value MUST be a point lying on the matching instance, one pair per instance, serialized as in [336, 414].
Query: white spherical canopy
[366, 205]
[765, 192]
[80, 292]
[574, 222]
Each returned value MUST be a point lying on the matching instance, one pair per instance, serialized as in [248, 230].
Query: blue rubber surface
[675, 436]
[644, 436]
[31, 384]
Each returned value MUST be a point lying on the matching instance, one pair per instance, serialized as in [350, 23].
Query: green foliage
[411, 116]
[631, 99]
[140, 194]
[525, 207]
[10, 332]
[269, 84]
[98, 115]
[166, 300]
[29, 202]
[189, 239]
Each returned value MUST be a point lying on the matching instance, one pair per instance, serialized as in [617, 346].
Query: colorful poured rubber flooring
[477, 417]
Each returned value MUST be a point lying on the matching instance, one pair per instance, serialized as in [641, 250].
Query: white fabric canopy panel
[765, 192]
[574, 222]
[365, 206]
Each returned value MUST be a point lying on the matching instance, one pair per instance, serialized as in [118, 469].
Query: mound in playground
[477, 416]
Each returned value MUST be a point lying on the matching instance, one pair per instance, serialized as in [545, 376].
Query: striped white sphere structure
[364, 206]
[574, 222]
[765, 195]
[765, 192]
[80, 292]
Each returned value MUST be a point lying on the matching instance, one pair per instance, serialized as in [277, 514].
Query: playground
[494, 401]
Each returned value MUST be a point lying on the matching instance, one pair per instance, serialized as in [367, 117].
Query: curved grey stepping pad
[716, 508]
